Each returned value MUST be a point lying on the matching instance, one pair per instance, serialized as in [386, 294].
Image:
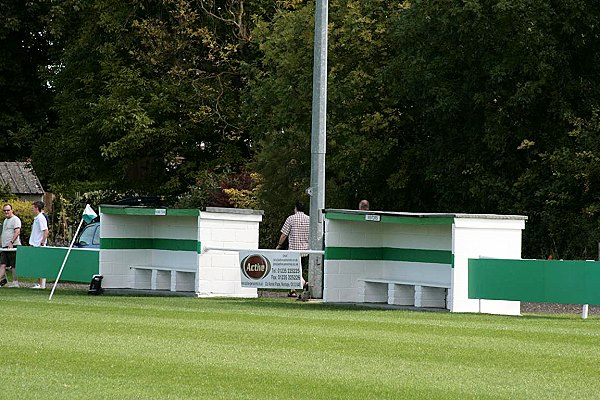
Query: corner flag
[89, 214]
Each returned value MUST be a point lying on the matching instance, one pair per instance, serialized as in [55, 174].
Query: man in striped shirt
[295, 230]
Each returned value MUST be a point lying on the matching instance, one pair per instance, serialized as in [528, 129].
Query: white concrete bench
[403, 293]
[175, 279]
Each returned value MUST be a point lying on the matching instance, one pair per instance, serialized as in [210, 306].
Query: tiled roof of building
[19, 176]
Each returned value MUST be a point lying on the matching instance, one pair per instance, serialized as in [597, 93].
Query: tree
[149, 93]
[436, 106]
[24, 57]
[493, 89]
[360, 117]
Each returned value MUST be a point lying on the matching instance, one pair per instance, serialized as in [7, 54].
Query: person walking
[295, 230]
[11, 232]
[39, 234]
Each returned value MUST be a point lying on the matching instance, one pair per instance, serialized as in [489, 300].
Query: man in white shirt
[39, 234]
[11, 231]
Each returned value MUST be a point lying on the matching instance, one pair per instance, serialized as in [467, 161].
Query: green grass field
[80, 346]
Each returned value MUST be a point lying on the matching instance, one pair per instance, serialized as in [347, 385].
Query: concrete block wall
[139, 278]
[423, 248]
[115, 264]
[430, 297]
[113, 226]
[166, 246]
[219, 272]
[341, 277]
[174, 227]
[370, 292]
[401, 295]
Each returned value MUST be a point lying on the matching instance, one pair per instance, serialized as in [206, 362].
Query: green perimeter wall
[45, 262]
[540, 281]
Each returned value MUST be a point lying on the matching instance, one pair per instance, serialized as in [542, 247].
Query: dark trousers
[304, 263]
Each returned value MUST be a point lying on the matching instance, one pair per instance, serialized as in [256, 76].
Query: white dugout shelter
[161, 249]
[415, 259]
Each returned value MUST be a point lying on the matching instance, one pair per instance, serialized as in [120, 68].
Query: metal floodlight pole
[318, 141]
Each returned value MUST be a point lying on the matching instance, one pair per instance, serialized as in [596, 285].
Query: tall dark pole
[318, 144]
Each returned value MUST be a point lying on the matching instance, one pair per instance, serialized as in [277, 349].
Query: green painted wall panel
[389, 254]
[150, 244]
[45, 262]
[543, 281]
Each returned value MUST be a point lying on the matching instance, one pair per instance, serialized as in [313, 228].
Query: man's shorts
[8, 258]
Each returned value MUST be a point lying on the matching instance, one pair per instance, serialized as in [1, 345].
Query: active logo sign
[270, 269]
[255, 267]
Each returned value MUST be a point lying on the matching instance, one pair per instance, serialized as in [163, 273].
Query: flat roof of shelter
[410, 217]
[174, 212]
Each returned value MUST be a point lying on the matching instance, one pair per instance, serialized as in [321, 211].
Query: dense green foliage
[477, 106]
[24, 58]
[480, 106]
[180, 348]
[22, 209]
[495, 90]
[148, 96]
[361, 124]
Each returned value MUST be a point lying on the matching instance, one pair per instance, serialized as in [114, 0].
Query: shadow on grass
[282, 303]
[553, 316]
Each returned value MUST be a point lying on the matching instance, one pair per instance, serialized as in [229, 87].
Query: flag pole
[66, 257]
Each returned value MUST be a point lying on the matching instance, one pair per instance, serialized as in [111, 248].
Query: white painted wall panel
[482, 238]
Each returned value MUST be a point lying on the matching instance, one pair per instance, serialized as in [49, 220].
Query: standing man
[295, 229]
[11, 231]
[39, 234]
[363, 205]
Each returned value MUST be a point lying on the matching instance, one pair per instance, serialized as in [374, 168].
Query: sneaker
[3, 282]
[13, 284]
[37, 286]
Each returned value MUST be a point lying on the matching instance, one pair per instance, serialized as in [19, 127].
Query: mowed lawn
[80, 346]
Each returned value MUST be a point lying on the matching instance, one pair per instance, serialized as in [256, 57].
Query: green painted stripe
[389, 254]
[126, 244]
[418, 255]
[393, 219]
[172, 212]
[542, 281]
[150, 244]
[176, 245]
[354, 253]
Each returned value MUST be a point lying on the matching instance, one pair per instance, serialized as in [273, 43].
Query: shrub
[22, 209]
[70, 200]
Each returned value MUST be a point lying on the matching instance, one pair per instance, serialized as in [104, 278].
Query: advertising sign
[270, 269]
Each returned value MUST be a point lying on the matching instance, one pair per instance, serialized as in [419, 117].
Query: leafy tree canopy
[149, 92]
[475, 106]
[24, 56]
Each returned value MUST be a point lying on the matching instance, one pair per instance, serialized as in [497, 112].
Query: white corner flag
[88, 216]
